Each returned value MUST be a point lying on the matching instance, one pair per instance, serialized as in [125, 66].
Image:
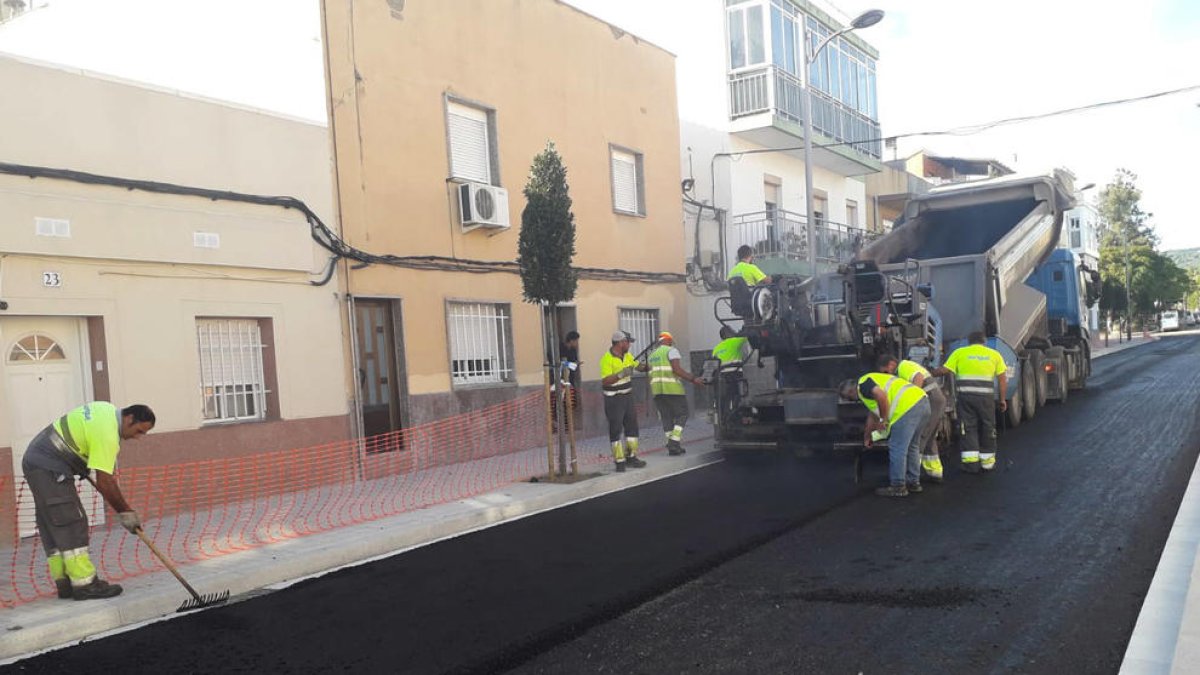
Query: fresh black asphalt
[764, 566]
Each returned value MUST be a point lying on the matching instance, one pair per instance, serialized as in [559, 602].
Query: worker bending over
[931, 462]
[85, 439]
[900, 410]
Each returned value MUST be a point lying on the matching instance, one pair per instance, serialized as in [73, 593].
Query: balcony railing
[782, 234]
[770, 89]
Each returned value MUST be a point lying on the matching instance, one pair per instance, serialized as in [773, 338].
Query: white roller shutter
[470, 156]
[625, 182]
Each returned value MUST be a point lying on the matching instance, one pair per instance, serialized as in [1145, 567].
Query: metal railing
[782, 234]
[770, 89]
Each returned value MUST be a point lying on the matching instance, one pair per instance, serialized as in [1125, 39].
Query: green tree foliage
[1128, 237]
[546, 244]
[1122, 214]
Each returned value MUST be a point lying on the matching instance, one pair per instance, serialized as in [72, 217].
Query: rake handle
[166, 562]
[154, 549]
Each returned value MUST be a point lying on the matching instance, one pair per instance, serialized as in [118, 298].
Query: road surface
[775, 566]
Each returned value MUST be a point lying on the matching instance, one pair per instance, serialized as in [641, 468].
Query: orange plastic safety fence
[199, 510]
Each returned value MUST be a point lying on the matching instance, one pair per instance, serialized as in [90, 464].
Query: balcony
[780, 237]
[766, 105]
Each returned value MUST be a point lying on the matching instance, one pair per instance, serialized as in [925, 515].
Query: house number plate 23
[52, 279]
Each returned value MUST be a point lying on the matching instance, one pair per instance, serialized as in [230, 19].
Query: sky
[943, 64]
[947, 63]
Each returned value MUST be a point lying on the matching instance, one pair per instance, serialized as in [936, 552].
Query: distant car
[1189, 319]
[1169, 321]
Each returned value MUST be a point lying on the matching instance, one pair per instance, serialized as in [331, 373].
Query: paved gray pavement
[1166, 640]
[50, 622]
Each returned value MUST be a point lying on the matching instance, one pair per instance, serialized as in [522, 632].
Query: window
[1075, 233]
[820, 206]
[472, 147]
[783, 40]
[232, 381]
[843, 72]
[851, 213]
[480, 336]
[627, 181]
[642, 324]
[747, 42]
[36, 348]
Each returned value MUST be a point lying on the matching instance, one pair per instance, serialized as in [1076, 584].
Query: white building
[742, 136]
[1081, 233]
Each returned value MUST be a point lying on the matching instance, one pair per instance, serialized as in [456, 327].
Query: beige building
[887, 193]
[438, 109]
[202, 306]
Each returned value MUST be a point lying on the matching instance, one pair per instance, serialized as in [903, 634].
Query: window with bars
[232, 381]
[481, 349]
[642, 324]
[627, 181]
[472, 150]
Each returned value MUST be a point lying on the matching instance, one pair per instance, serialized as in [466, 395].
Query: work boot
[99, 589]
[934, 479]
[621, 466]
[635, 462]
[970, 467]
[675, 448]
[915, 488]
[892, 491]
[64, 588]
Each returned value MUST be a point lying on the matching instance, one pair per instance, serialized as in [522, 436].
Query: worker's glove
[130, 521]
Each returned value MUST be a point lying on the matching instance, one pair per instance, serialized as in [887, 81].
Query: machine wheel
[1028, 391]
[1085, 353]
[1037, 363]
[1013, 414]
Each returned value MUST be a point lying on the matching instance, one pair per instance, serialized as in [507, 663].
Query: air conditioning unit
[481, 205]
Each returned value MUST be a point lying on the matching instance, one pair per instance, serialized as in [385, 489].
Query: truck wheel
[1013, 414]
[1085, 364]
[1037, 363]
[1028, 391]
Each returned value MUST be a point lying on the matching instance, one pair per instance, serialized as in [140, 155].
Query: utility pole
[864, 20]
[1128, 282]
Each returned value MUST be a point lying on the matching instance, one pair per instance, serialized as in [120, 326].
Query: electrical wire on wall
[327, 238]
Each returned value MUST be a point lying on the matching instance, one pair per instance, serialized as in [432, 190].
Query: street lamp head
[867, 19]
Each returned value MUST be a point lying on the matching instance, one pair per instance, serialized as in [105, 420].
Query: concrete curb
[1166, 637]
[1122, 347]
[49, 624]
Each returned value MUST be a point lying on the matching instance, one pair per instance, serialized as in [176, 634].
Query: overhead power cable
[327, 238]
[971, 129]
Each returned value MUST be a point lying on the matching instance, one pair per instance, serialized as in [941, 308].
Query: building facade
[437, 111]
[213, 311]
[1081, 234]
[742, 137]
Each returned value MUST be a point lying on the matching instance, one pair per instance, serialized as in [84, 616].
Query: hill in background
[1187, 258]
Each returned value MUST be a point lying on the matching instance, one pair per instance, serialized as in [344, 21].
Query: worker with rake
[85, 439]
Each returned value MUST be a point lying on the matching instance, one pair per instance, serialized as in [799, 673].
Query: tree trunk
[559, 398]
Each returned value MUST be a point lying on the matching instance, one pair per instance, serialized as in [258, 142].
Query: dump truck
[979, 256]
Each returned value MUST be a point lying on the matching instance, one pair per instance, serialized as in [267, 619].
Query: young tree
[1127, 244]
[1122, 215]
[545, 248]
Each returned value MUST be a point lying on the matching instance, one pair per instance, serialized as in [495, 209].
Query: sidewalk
[49, 623]
[1115, 345]
[1166, 638]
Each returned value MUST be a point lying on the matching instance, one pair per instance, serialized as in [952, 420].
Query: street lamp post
[864, 20]
[1128, 282]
